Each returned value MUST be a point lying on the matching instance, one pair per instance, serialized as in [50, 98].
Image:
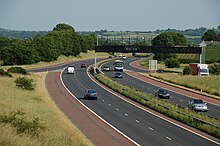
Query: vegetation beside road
[208, 84]
[37, 104]
[189, 117]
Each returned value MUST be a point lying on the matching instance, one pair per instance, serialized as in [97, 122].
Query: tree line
[62, 40]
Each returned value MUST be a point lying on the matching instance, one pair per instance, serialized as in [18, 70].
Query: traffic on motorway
[137, 123]
[172, 96]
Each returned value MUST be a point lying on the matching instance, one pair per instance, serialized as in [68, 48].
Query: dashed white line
[109, 104]
[103, 100]
[151, 128]
[168, 138]
[137, 121]
[117, 109]
[126, 114]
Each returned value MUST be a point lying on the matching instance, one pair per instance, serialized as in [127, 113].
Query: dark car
[118, 75]
[159, 71]
[83, 65]
[91, 94]
[162, 93]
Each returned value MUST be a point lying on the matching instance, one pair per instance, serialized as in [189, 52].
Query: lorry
[199, 69]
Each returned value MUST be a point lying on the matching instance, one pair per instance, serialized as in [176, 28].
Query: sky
[113, 15]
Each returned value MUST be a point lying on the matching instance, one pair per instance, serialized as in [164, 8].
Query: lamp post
[97, 44]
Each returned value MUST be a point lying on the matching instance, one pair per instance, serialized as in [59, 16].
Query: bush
[172, 63]
[215, 69]
[17, 70]
[4, 73]
[187, 70]
[25, 83]
[18, 121]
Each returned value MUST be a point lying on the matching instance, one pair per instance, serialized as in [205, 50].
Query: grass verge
[209, 84]
[36, 104]
[200, 121]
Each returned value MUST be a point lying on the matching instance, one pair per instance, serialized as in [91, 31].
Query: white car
[70, 70]
[106, 68]
[198, 105]
[124, 57]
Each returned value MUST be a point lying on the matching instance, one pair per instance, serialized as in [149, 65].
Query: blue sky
[91, 15]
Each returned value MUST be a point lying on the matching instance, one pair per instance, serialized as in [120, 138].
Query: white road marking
[109, 104]
[137, 121]
[103, 100]
[151, 128]
[117, 109]
[126, 114]
[168, 138]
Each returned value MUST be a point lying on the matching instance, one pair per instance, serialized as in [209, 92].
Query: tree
[172, 63]
[219, 27]
[63, 27]
[169, 39]
[209, 35]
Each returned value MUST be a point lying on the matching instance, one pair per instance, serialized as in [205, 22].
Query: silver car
[198, 105]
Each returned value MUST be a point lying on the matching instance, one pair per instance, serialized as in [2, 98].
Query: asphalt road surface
[141, 126]
[177, 98]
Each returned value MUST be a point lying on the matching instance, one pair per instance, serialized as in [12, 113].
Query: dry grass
[59, 131]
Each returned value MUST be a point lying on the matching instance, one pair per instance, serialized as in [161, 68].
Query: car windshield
[92, 91]
[198, 101]
[162, 91]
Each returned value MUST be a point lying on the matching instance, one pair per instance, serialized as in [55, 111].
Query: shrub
[215, 69]
[187, 70]
[25, 83]
[172, 63]
[20, 122]
[4, 73]
[17, 70]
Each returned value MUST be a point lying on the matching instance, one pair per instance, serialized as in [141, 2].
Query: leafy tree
[19, 52]
[215, 69]
[168, 39]
[187, 70]
[63, 27]
[46, 48]
[210, 35]
[172, 63]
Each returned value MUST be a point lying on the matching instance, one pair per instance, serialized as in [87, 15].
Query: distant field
[212, 53]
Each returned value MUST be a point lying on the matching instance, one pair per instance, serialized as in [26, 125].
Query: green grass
[36, 104]
[178, 113]
[209, 84]
[212, 53]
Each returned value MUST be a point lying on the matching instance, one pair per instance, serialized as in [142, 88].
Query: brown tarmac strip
[90, 125]
[170, 87]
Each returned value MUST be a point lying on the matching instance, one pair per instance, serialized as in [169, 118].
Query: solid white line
[156, 114]
[94, 112]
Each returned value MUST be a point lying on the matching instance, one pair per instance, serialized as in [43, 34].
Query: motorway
[138, 124]
[177, 98]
